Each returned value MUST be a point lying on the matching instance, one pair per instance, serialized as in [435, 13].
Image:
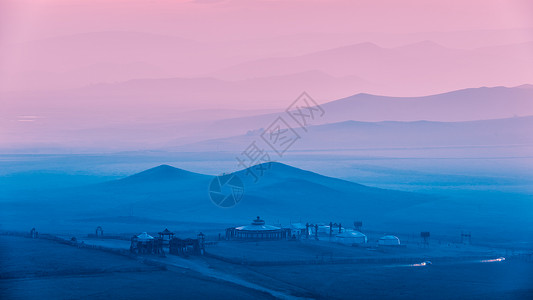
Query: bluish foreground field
[509, 280]
[42, 269]
[37, 269]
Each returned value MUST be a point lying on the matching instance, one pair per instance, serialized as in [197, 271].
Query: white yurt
[389, 240]
[259, 230]
[351, 238]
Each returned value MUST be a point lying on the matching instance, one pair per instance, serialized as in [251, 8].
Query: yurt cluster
[257, 230]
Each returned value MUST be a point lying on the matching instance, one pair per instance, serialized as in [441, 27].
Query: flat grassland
[42, 269]
[456, 272]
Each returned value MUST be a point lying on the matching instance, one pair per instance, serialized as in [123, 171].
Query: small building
[187, 246]
[351, 238]
[257, 230]
[179, 246]
[297, 230]
[389, 240]
[166, 235]
[146, 244]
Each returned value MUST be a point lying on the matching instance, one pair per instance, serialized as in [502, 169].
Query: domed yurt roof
[389, 237]
[351, 234]
[257, 225]
[389, 240]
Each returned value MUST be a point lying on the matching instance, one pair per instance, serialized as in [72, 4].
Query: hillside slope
[165, 192]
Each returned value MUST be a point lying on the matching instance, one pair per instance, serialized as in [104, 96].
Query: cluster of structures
[147, 244]
[144, 243]
[259, 230]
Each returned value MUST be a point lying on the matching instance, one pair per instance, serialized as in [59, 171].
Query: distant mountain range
[164, 122]
[427, 65]
[348, 122]
[392, 134]
[461, 105]
[416, 68]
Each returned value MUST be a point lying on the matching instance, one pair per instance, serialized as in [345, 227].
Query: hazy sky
[120, 62]
[239, 19]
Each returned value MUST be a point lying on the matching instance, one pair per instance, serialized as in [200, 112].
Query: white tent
[351, 238]
[144, 237]
[389, 240]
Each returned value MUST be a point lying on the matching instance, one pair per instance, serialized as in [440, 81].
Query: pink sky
[207, 20]
[240, 30]
[126, 61]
